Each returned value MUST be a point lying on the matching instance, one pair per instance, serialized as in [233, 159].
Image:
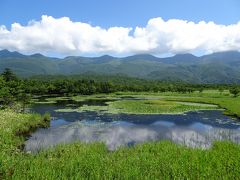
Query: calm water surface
[193, 129]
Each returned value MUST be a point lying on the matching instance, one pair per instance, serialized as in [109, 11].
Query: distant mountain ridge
[221, 67]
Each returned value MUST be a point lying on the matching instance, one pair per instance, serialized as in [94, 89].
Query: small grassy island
[144, 107]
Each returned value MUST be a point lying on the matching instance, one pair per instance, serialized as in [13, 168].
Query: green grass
[230, 104]
[143, 107]
[84, 108]
[163, 160]
[205, 93]
[51, 100]
[44, 102]
[95, 97]
[60, 98]
[12, 128]
[160, 160]
[222, 99]
[154, 107]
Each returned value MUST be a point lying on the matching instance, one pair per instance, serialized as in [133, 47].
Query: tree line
[13, 88]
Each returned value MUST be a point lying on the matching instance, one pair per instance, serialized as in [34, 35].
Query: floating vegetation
[154, 107]
[61, 98]
[45, 102]
[143, 107]
[196, 104]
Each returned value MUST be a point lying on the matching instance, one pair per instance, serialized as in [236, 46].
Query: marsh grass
[145, 161]
[13, 126]
[84, 108]
[222, 99]
[59, 98]
[230, 104]
[143, 107]
[155, 160]
[82, 98]
[45, 102]
[153, 107]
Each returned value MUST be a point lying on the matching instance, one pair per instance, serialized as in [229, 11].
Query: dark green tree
[24, 99]
[5, 96]
[8, 75]
[200, 89]
[234, 91]
[221, 89]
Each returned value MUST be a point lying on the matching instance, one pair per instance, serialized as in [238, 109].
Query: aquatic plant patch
[143, 107]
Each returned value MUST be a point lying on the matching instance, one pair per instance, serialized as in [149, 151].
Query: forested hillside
[222, 67]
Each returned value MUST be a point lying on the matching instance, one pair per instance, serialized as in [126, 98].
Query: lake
[196, 129]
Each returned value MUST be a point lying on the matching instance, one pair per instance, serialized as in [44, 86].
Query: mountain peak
[225, 53]
[106, 56]
[227, 57]
[185, 55]
[4, 52]
[37, 55]
[181, 58]
[7, 53]
[142, 57]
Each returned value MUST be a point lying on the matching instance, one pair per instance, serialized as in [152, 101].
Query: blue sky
[159, 32]
[130, 13]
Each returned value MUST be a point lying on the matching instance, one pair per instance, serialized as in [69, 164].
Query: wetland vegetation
[116, 102]
[143, 107]
[160, 159]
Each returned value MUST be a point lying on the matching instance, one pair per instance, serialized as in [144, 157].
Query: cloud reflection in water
[116, 134]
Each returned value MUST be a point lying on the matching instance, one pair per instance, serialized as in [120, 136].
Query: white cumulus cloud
[63, 36]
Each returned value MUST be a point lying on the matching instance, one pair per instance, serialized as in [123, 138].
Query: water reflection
[118, 133]
[193, 129]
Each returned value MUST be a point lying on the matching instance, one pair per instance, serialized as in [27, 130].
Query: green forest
[16, 89]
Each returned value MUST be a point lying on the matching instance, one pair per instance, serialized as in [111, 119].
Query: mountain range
[220, 67]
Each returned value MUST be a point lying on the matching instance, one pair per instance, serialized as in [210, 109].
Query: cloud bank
[63, 36]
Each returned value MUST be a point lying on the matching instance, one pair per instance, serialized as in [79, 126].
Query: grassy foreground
[93, 161]
[13, 126]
